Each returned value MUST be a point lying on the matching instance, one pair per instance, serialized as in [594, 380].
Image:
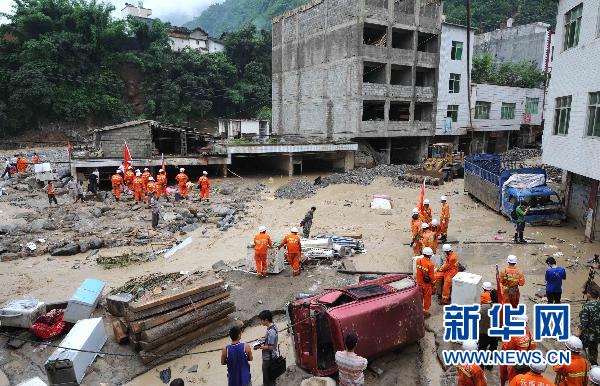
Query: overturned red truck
[385, 313]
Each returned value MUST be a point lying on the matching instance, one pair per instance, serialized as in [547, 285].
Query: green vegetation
[522, 74]
[487, 15]
[69, 61]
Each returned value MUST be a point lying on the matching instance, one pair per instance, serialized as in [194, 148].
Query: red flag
[69, 149]
[126, 157]
[422, 196]
[499, 286]
[164, 165]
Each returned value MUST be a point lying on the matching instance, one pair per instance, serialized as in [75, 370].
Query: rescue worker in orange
[470, 375]
[426, 278]
[435, 229]
[517, 343]
[36, 158]
[161, 184]
[262, 242]
[533, 376]
[204, 185]
[425, 212]
[417, 231]
[138, 189]
[151, 188]
[427, 237]
[116, 181]
[444, 218]
[511, 279]
[145, 176]
[182, 180]
[447, 271]
[294, 250]
[21, 164]
[573, 374]
[129, 176]
[486, 295]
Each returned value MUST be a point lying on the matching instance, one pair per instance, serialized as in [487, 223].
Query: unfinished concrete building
[358, 69]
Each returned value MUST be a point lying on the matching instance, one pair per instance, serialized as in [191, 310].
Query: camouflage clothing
[589, 324]
[306, 224]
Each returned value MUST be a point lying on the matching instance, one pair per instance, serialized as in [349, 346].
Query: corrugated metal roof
[124, 124]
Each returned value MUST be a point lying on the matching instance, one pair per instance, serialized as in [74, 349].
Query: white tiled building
[197, 39]
[452, 98]
[572, 128]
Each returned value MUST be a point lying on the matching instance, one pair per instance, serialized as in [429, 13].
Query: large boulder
[96, 212]
[95, 243]
[50, 225]
[189, 228]
[68, 250]
[8, 229]
[184, 212]
[220, 210]
[37, 225]
[227, 189]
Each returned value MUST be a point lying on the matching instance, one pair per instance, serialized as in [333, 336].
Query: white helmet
[538, 368]
[205, 172]
[427, 251]
[446, 247]
[435, 222]
[150, 178]
[118, 171]
[146, 169]
[487, 286]
[594, 375]
[415, 211]
[426, 201]
[294, 230]
[512, 259]
[443, 198]
[262, 228]
[138, 173]
[161, 171]
[130, 167]
[425, 225]
[574, 344]
[181, 170]
[469, 345]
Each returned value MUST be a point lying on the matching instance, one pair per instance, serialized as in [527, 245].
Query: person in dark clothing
[306, 223]
[7, 166]
[521, 212]
[237, 356]
[93, 181]
[589, 325]
[554, 278]
[177, 382]
[269, 345]
[487, 342]
[155, 205]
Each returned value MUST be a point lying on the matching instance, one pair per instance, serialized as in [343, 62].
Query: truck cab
[545, 207]
[385, 313]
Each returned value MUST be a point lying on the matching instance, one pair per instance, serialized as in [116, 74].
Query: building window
[457, 49]
[507, 111]
[532, 105]
[562, 115]
[452, 112]
[454, 84]
[482, 110]
[594, 115]
[572, 27]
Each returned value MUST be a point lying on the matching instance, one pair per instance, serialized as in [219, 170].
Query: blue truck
[499, 184]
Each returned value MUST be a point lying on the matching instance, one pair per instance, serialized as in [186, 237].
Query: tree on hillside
[521, 74]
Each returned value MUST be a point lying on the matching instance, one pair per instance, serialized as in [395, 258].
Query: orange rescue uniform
[294, 251]
[517, 343]
[151, 187]
[21, 165]
[262, 242]
[511, 279]
[427, 239]
[485, 297]
[161, 185]
[531, 378]
[138, 192]
[145, 176]
[573, 374]
[447, 272]
[417, 231]
[436, 233]
[116, 181]
[444, 219]
[425, 269]
[129, 176]
[204, 187]
[182, 180]
[425, 214]
[470, 375]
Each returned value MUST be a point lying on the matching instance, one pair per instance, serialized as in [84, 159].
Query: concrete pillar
[286, 164]
[349, 161]
[388, 152]
[224, 170]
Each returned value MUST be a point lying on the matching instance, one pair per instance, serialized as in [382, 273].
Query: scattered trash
[193, 369]
[558, 254]
[381, 201]
[178, 247]
[497, 237]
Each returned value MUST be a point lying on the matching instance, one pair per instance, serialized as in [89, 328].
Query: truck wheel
[367, 276]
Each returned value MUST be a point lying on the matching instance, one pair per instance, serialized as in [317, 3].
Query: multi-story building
[139, 11]
[452, 115]
[364, 70]
[572, 127]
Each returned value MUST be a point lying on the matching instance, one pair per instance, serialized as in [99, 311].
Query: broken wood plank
[146, 346]
[177, 324]
[131, 315]
[145, 324]
[136, 307]
[348, 272]
[219, 329]
[134, 339]
[120, 331]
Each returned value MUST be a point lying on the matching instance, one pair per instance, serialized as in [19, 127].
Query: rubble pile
[518, 154]
[299, 189]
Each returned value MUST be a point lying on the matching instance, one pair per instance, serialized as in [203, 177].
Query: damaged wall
[137, 135]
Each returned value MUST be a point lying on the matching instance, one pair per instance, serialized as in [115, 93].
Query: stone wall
[138, 138]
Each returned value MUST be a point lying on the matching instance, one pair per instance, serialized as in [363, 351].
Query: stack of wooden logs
[166, 323]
